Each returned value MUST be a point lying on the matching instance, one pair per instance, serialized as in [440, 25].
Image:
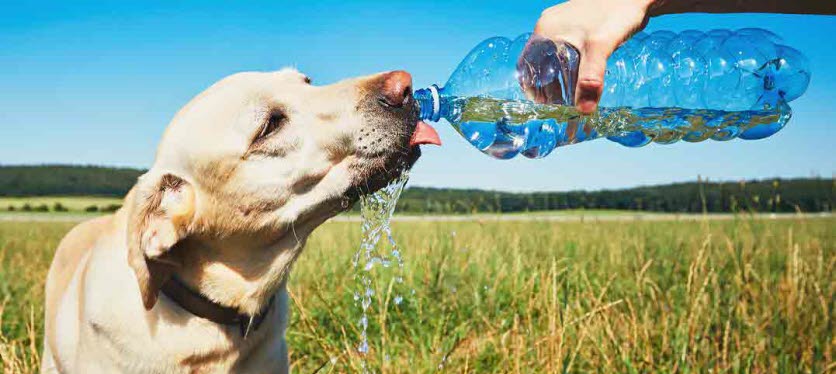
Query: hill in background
[773, 195]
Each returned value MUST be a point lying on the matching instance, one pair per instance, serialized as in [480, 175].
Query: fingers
[596, 28]
[591, 72]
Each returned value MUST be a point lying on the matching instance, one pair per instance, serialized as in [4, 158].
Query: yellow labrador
[189, 276]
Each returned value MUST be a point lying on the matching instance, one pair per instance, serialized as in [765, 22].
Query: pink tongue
[424, 134]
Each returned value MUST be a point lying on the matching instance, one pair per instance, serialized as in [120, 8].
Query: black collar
[199, 305]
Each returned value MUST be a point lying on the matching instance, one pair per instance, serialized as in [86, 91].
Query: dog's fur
[243, 174]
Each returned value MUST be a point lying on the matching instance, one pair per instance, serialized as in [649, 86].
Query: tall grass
[25, 254]
[743, 296]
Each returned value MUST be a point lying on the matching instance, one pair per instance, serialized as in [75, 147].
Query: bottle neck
[429, 102]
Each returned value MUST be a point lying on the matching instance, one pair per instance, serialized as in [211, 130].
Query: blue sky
[97, 82]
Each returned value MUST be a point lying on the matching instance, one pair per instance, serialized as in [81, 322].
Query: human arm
[662, 7]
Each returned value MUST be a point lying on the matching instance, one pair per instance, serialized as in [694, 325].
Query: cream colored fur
[228, 211]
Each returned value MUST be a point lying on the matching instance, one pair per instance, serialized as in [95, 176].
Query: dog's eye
[274, 122]
[307, 80]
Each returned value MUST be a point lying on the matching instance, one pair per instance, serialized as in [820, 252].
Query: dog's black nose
[396, 88]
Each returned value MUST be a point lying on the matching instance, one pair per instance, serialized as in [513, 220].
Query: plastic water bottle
[510, 96]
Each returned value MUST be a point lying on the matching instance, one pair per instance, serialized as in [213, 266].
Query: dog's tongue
[424, 134]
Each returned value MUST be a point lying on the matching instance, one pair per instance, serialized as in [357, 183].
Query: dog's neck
[236, 276]
[244, 273]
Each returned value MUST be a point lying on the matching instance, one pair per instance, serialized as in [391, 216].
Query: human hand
[596, 28]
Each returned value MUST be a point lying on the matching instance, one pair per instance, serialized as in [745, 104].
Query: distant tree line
[58, 207]
[772, 195]
[66, 180]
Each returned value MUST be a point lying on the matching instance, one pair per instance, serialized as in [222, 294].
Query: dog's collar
[199, 305]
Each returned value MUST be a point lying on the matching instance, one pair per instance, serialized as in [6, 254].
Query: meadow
[738, 296]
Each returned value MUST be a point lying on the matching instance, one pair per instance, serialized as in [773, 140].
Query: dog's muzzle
[389, 141]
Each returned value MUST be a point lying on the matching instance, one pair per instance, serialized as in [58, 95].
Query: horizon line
[698, 179]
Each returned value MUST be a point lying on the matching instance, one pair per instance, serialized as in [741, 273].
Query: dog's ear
[160, 213]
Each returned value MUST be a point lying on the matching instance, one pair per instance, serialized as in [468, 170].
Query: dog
[189, 275]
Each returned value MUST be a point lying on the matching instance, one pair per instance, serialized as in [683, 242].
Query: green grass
[740, 296]
[562, 212]
[578, 213]
[72, 203]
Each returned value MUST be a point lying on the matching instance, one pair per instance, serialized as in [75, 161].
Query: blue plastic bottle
[661, 87]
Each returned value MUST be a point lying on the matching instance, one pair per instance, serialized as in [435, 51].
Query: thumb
[591, 71]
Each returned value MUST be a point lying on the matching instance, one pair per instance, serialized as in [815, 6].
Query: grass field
[740, 296]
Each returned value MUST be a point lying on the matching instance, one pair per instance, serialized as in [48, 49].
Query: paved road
[556, 217]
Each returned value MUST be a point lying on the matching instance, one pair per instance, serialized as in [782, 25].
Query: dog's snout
[396, 88]
[391, 117]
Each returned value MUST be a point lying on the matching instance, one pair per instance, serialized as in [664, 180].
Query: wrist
[660, 7]
[647, 5]
[643, 7]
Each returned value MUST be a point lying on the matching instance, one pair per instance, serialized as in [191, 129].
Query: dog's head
[259, 160]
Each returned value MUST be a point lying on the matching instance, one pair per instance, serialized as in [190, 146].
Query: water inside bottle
[507, 128]
[376, 212]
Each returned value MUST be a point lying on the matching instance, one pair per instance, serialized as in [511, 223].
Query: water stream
[376, 212]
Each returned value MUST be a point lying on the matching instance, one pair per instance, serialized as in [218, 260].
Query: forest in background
[768, 195]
